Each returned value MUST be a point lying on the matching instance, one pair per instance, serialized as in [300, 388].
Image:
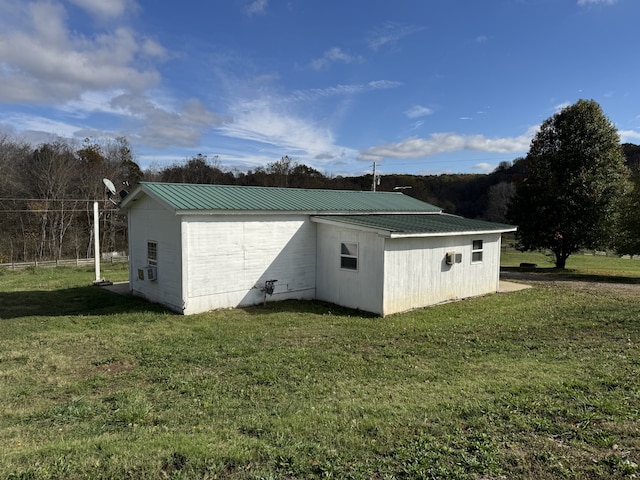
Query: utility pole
[376, 178]
[96, 241]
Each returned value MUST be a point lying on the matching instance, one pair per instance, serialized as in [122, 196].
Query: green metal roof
[193, 198]
[418, 224]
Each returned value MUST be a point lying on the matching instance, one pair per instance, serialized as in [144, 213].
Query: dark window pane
[349, 263]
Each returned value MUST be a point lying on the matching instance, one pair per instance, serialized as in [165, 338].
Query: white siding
[417, 275]
[151, 222]
[361, 289]
[229, 258]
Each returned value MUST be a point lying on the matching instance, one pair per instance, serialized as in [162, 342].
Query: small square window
[476, 251]
[349, 256]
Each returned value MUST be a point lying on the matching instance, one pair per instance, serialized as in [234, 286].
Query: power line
[54, 210]
[16, 199]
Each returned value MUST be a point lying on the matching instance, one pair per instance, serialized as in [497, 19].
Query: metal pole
[374, 177]
[96, 241]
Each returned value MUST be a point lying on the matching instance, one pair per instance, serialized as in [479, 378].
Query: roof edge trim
[452, 233]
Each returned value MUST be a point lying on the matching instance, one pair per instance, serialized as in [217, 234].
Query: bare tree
[498, 199]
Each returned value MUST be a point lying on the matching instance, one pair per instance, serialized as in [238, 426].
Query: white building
[195, 248]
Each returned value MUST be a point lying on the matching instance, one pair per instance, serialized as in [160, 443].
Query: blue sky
[417, 86]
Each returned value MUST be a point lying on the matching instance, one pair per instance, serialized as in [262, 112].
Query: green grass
[541, 383]
[579, 266]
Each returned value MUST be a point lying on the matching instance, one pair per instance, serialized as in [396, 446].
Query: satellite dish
[110, 186]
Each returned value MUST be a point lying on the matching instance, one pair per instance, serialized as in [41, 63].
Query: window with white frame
[349, 256]
[476, 251]
[152, 253]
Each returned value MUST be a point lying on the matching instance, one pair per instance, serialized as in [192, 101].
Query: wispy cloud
[351, 89]
[37, 129]
[155, 125]
[264, 121]
[418, 111]
[415, 147]
[286, 124]
[334, 55]
[390, 34]
[584, 3]
[257, 7]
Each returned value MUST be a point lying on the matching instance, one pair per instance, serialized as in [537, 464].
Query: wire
[15, 199]
[54, 210]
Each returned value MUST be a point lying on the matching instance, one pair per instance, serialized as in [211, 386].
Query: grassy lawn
[587, 267]
[541, 383]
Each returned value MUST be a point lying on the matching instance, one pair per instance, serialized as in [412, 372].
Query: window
[349, 256]
[152, 254]
[476, 251]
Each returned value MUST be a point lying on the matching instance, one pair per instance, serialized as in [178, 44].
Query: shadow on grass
[552, 274]
[89, 300]
[92, 300]
[314, 307]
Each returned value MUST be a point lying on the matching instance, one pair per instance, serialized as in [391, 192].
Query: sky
[416, 86]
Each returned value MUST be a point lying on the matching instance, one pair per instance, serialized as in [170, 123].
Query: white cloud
[415, 147]
[257, 7]
[42, 61]
[418, 111]
[561, 106]
[105, 9]
[584, 3]
[91, 101]
[153, 49]
[147, 121]
[334, 55]
[484, 167]
[629, 136]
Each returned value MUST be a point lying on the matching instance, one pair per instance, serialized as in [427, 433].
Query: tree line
[47, 194]
[576, 188]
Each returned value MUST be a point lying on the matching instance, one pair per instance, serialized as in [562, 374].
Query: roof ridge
[224, 185]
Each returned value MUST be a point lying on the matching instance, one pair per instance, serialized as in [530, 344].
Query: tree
[196, 169]
[573, 182]
[51, 174]
[12, 225]
[628, 241]
[497, 201]
[280, 170]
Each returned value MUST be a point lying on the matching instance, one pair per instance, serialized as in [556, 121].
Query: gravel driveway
[622, 286]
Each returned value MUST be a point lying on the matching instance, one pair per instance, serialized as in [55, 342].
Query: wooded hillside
[47, 192]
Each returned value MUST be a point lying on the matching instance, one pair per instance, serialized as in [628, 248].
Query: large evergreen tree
[575, 176]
